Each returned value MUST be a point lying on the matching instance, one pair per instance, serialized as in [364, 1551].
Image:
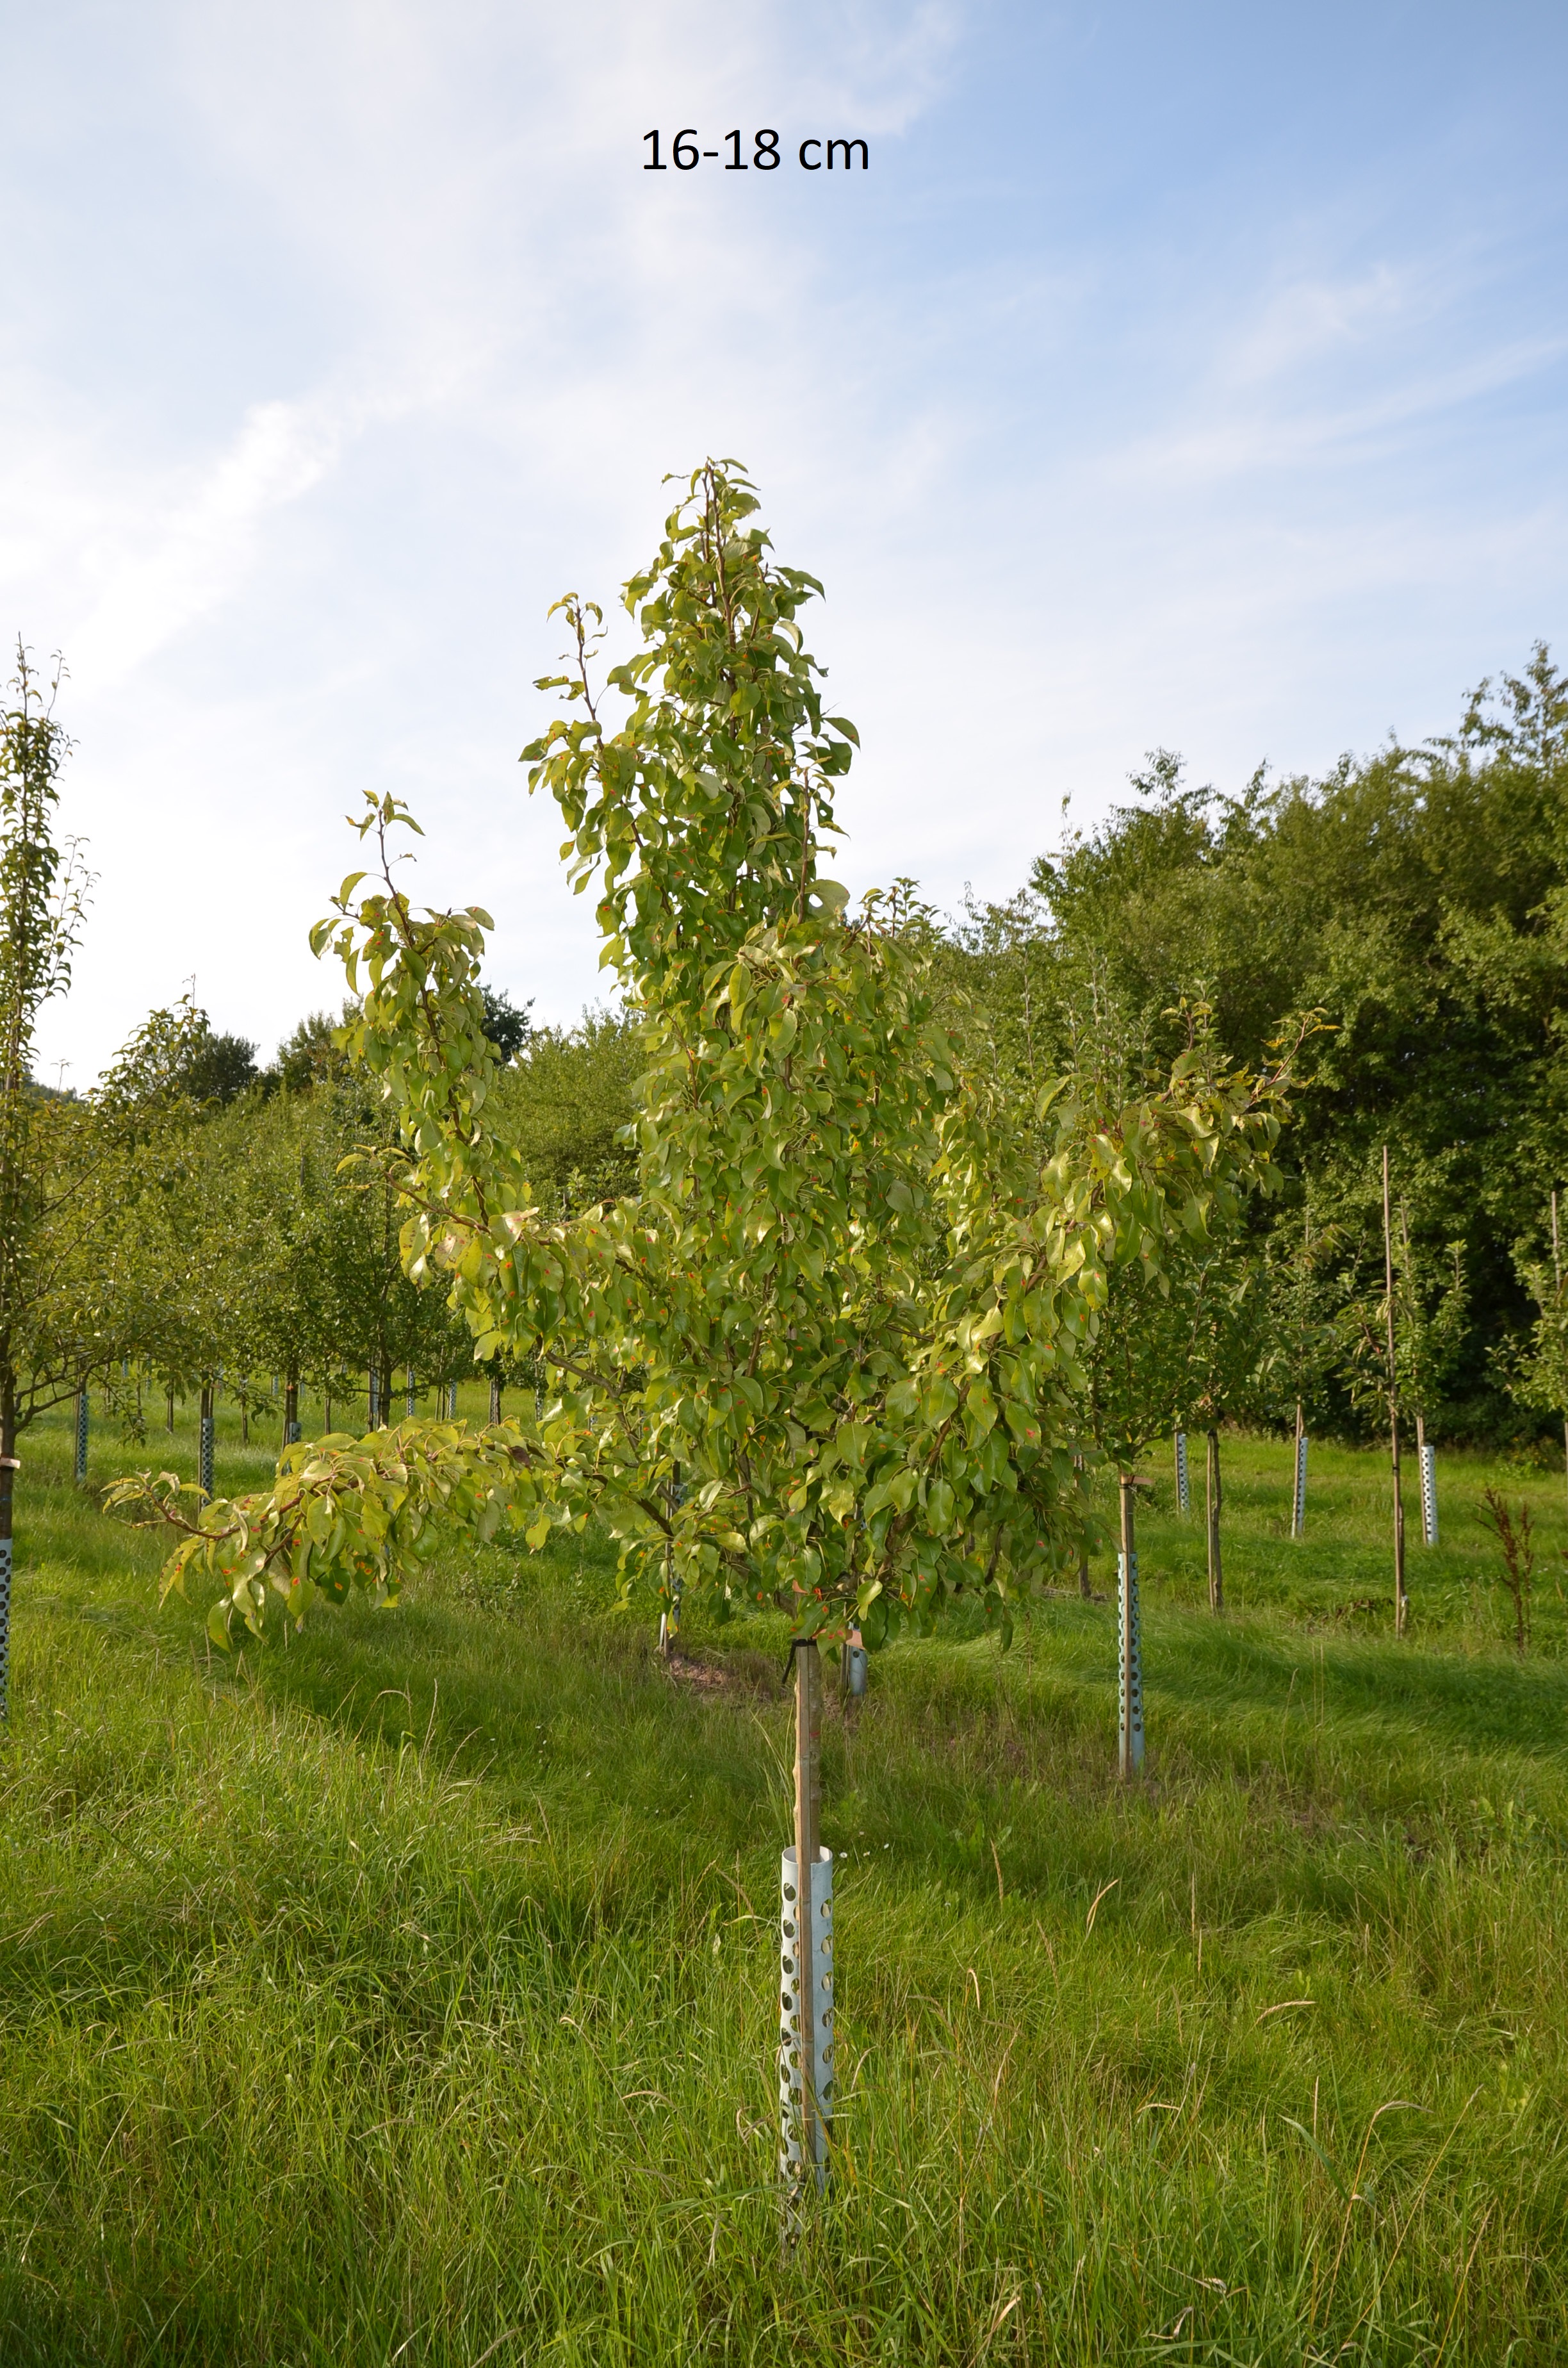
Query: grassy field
[405, 1992]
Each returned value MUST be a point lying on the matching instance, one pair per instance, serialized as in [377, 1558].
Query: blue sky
[1191, 377]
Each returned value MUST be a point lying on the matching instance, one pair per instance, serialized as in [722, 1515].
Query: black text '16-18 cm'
[764, 157]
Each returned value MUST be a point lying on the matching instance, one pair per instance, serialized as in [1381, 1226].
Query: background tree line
[1411, 909]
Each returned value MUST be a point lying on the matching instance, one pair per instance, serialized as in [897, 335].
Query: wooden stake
[808, 1812]
[1401, 1601]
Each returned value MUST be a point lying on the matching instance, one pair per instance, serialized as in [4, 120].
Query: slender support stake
[1183, 1479]
[1400, 1600]
[805, 2037]
[1299, 1501]
[1213, 1501]
[1129, 1738]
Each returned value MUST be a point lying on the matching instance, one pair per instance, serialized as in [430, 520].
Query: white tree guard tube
[791, 2056]
[1184, 1486]
[1429, 1496]
[1129, 1661]
[1298, 1500]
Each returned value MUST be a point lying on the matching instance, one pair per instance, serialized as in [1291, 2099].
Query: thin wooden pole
[808, 1813]
[1401, 1601]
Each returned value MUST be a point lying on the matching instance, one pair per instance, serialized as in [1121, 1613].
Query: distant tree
[76, 1172]
[570, 1097]
[507, 1027]
[220, 1067]
[310, 1055]
[1417, 899]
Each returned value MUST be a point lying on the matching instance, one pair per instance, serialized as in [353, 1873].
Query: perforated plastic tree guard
[854, 1669]
[1299, 1501]
[1429, 1495]
[793, 2014]
[206, 1456]
[4, 1626]
[81, 1437]
[1184, 1488]
[1130, 1642]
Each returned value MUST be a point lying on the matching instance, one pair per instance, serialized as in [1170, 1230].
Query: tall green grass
[406, 1991]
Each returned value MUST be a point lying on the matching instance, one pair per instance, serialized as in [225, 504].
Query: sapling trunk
[495, 1393]
[291, 1411]
[1400, 1601]
[1130, 1688]
[1213, 1500]
[171, 1422]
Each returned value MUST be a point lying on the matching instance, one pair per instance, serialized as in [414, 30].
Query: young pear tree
[831, 1349]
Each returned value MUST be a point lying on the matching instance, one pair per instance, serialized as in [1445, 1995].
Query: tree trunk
[171, 1421]
[8, 1491]
[1213, 1499]
[496, 1392]
[291, 1409]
